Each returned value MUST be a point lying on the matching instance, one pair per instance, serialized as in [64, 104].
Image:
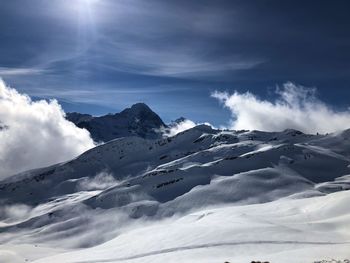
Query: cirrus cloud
[296, 107]
[35, 133]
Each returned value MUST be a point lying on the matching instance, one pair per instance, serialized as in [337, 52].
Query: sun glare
[84, 4]
[89, 2]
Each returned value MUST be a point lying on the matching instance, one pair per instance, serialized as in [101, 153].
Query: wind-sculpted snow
[130, 184]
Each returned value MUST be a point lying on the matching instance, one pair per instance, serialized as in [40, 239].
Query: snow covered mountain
[138, 120]
[204, 195]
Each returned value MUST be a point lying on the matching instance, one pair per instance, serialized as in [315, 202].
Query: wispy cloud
[6, 71]
[159, 43]
[107, 95]
[180, 61]
[100, 181]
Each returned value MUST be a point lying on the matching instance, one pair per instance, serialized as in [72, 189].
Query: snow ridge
[193, 185]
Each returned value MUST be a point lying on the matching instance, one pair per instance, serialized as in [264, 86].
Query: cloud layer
[101, 181]
[181, 125]
[35, 133]
[295, 107]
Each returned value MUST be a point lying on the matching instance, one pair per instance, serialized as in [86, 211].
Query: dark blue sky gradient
[100, 56]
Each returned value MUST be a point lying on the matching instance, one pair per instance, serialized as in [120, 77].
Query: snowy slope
[282, 231]
[176, 196]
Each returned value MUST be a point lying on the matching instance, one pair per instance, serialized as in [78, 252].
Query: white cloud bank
[35, 133]
[296, 107]
[179, 127]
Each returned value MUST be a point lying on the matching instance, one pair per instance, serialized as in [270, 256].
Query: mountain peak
[138, 120]
[143, 113]
[141, 106]
[138, 108]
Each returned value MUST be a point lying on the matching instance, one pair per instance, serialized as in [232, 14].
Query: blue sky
[100, 56]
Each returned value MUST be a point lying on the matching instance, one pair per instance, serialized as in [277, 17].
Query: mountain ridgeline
[138, 120]
[133, 197]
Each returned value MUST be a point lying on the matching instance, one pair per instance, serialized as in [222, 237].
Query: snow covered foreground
[202, 196]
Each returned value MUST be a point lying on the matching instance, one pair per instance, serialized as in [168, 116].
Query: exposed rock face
[138, 120]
